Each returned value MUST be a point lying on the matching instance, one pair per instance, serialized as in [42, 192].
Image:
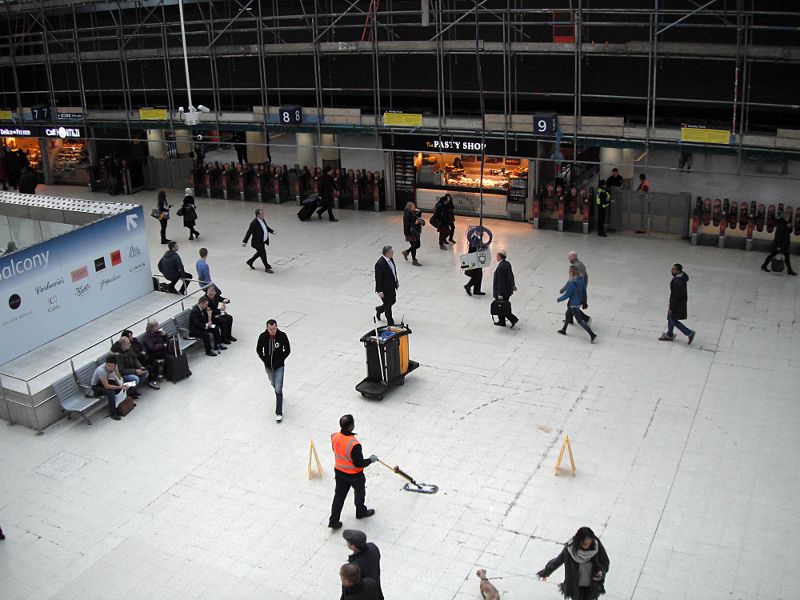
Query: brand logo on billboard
[62, 132]
[116, 258]
[134, 251]
[40, 289]
[82, 290]
[79, 274]
[15, 267]
[14, 301]
[15, 131]
[99, 264]
[136, 268]
[104, 282]
[53, 304]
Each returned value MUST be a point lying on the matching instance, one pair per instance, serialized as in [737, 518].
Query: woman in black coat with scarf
[189, 213]
[585, 566]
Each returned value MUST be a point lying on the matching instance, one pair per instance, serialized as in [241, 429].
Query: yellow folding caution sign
[568, 446]
[312, 453]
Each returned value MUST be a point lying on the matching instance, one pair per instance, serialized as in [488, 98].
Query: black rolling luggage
[310, 204]
[176, 365]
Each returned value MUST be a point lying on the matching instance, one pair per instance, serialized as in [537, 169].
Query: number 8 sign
[290, 115]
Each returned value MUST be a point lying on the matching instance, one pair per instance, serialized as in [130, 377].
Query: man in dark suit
[326, 187]
[201, 326]
[258, 234]
[386, 284]
[502, 288]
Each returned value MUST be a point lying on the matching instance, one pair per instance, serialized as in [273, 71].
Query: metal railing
[26, 382]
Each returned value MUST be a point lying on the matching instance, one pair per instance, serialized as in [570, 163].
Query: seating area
[74, 392]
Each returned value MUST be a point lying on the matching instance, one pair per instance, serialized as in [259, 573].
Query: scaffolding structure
[414, 55]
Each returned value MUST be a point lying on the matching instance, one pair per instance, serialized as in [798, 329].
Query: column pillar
[329, 148]
[183, 142]
[256, 150]
[155, 143]
[610, 158]
[306, 150]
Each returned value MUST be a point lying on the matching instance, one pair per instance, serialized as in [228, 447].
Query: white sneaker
[279, 418]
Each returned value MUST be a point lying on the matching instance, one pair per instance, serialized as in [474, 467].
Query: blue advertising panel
[58, 285]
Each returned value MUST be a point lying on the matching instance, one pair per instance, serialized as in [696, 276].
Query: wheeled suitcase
[176, 368]
[305, 212]
[176, 365]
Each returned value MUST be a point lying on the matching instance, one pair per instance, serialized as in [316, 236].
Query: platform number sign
[40, 113]
[544, 125]
[290, 115]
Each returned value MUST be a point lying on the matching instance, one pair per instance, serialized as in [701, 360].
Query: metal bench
[74, 400]
[172, 328]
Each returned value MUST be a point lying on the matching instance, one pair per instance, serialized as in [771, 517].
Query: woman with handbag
[163, 215]
[412, 228]
[189, 213]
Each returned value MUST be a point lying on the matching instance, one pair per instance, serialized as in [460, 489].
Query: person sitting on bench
[107, 381]
[155, 343]
[131, 368]
[201, 326]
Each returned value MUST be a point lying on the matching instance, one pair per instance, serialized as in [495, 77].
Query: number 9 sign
[544, 125]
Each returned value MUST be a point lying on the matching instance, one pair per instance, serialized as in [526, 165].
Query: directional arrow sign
[130, 221]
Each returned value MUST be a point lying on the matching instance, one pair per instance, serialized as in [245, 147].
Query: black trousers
[99, 391]
[412, 248]
[261, 253]
[326, 205]
[475, 279]
[173, 282]
[344, 482]
[775, 253]
[163, 230]
[224, 323]
[386, 308]
[452, 228]
[575, 312]
[501, 319]
[601, 220]
[211, 338]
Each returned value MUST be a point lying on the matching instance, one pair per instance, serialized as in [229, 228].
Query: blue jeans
[675, 323]
[276, 379]
[137, 379]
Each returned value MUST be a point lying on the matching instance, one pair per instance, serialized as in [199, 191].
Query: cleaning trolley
[388, 360]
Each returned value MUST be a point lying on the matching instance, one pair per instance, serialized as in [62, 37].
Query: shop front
[57, 154]
[427, 167]
[67, 154]
[24, 143]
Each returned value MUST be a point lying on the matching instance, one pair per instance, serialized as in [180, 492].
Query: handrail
[180, 300]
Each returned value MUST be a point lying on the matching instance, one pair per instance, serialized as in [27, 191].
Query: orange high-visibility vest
[342, 451]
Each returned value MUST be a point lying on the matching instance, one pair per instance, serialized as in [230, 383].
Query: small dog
[488, 591]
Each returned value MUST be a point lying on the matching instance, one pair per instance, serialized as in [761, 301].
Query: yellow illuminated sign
[701, 135]
[402, 119]
[6, 115]
[153, 114]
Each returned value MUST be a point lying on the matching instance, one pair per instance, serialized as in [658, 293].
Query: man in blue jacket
[575, 294]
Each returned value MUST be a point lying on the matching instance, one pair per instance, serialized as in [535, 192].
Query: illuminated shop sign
[15, 132]
[62, 132]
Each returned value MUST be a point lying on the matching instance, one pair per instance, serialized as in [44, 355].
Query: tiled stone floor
[685, 454]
